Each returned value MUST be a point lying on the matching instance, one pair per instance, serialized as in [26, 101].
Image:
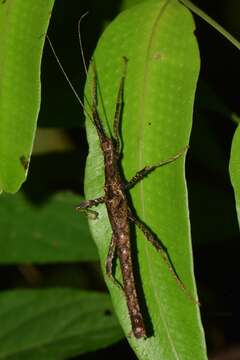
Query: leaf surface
[52, 232]
[52, 324]
[235, 169]
[23, 25]
[157, 38]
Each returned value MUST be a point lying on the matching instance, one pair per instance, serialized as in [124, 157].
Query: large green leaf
[52, 324]
[235, 169]
[23, 25]
[157, 38]
[51, 232]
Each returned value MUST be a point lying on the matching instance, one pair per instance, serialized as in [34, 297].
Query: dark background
[215, 231]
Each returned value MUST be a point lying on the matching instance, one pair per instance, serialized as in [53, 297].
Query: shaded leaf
[235, 169]
[23, 25]
[55, 323]
[51, 232]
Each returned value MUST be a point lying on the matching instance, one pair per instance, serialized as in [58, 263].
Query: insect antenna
[80, 41]
[87, 112]
[96, 88]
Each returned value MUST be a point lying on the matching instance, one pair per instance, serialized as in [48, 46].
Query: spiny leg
[109, 261]
[86, 204]
[110, 257]
[95, 115]
[150, 237]
[118, 109]
[148, 169]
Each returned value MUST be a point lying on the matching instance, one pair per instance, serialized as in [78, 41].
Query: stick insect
[119, 212]
[115, 198]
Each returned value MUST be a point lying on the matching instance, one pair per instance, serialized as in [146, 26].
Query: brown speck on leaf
[55, 243]
[158, 55]
[107, 312]
[24, 161]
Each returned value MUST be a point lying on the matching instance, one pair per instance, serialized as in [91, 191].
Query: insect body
[119, 212]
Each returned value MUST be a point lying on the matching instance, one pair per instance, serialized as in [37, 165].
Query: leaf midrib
[142, 107]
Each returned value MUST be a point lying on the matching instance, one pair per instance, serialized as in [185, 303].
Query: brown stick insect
[119, 212]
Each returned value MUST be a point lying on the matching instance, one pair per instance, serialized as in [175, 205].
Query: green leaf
[52, 324]
[235, 169]
[23, 25]
[51, 232]
[157, 38]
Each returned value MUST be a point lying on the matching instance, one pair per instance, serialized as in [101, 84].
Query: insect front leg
[148, 169]
[86, 204]
[118, 109]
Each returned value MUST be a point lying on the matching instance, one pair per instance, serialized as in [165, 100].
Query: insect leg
[110, 257]
[148, 169]
[86, 204]
[163, 252]
[95, 115]
[118, 109]
[109, 261]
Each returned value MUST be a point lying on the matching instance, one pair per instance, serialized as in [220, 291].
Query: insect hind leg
[163, 252]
